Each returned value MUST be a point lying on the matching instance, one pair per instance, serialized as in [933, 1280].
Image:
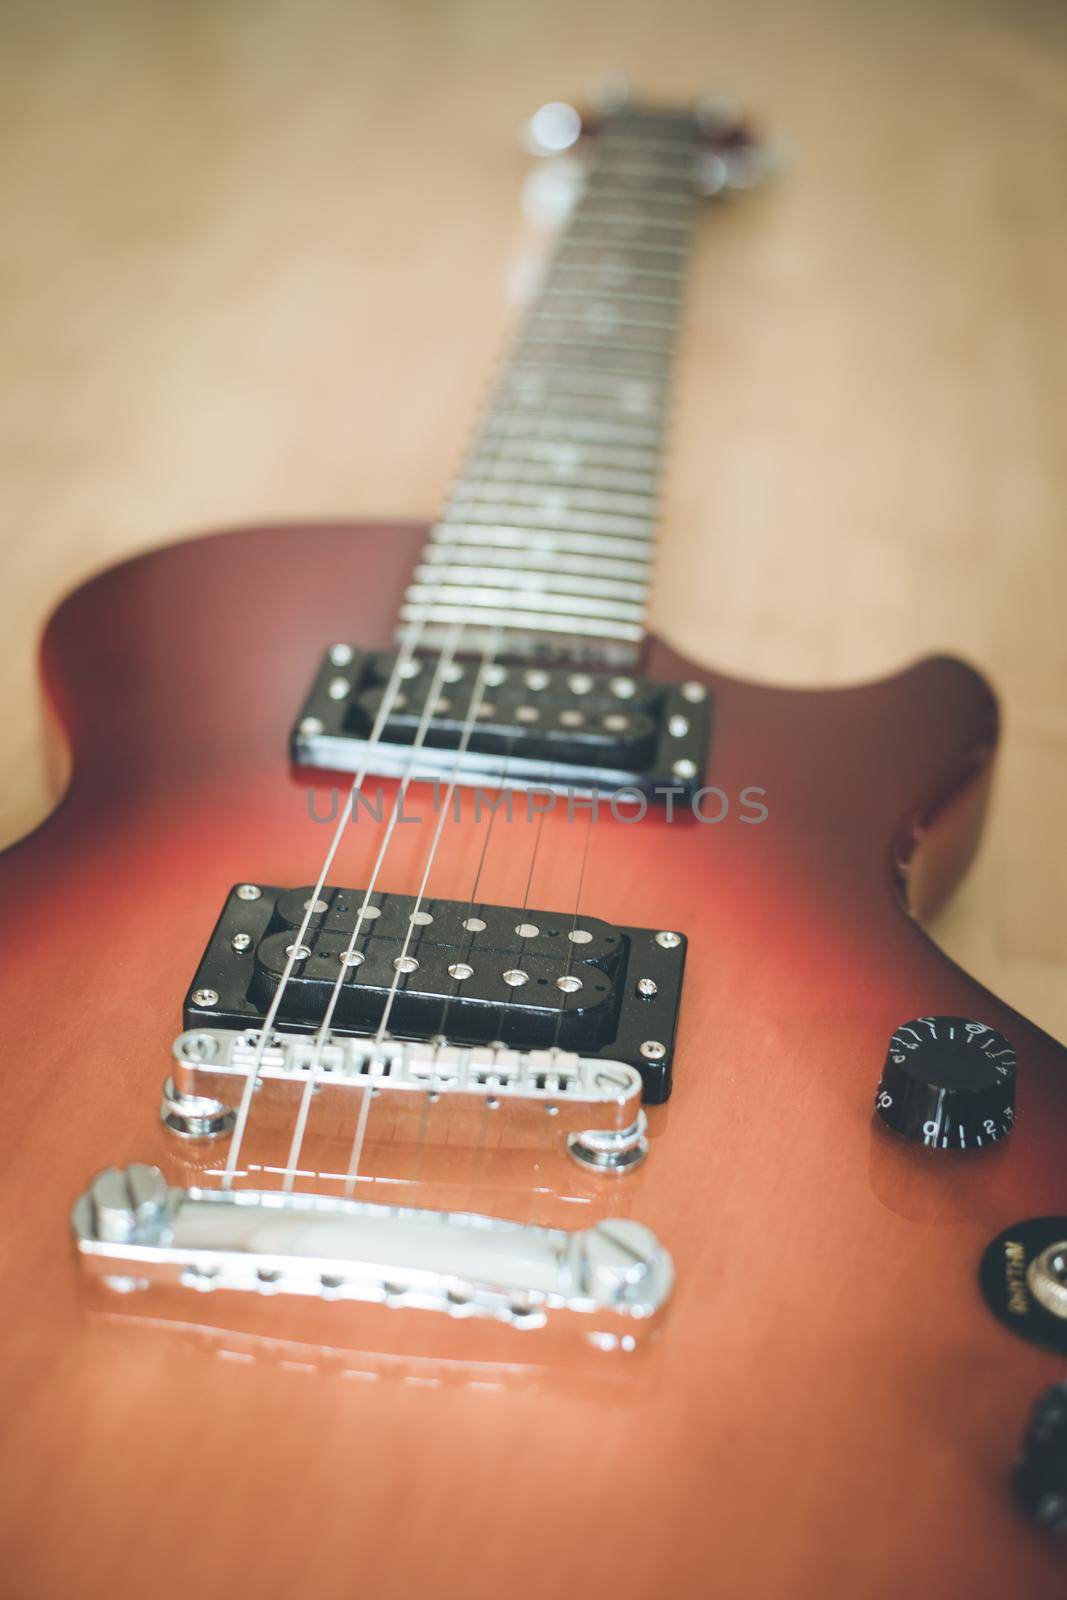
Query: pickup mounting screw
[647, 987]
[339, 687]
[240, 941]
[341, 654]
[248, 891]
[684, 769]
[695, 693]
[668, 941]
[652, 1050]
[311, 726]
[205, 997]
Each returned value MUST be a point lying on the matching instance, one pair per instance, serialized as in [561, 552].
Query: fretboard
[547, 539]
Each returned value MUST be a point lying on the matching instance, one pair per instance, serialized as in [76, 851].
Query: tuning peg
[553, 128]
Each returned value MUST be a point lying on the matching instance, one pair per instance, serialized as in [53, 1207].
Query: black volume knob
[1041, 1471]
[948, 1083]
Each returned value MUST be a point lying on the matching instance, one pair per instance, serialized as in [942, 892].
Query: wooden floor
[260, 259]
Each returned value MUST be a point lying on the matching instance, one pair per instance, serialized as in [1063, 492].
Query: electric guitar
[575, 1170]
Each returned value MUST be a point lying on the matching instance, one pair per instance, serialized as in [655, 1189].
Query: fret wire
[578, 606]
[547, 540]
[554, 307]
[572, 427]
[515, 471]
[517, 581]
[471, 513]
[498, 559]
[667, 297]
[568, 496]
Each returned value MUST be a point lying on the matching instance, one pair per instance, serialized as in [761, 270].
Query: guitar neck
[546, 542]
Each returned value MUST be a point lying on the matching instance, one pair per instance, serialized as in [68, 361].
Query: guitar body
[827, 1408]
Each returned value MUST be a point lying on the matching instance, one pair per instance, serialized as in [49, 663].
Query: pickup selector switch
[948, 1083]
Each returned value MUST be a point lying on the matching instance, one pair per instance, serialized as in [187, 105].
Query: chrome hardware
[212, 1064]
[205, 997]
[668, 941]
[608, 1280]
[249, 891]
[610, 1152]
[552, 129]
[1046, 1279]
[194, 1116]
[653, 1050]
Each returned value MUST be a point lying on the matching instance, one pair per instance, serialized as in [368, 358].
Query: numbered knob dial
[948, 1083]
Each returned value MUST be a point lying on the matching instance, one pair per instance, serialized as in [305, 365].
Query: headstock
[729, 155]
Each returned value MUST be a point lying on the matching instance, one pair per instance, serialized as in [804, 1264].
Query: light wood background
[257, 265]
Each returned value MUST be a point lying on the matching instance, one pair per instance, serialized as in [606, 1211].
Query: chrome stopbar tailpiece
[596, 1104]
[608, 1281]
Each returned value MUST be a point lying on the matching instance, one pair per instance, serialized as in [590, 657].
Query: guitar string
[265, 1032]
[322, 1035]
[396, 677]
[474, 706]
[345, 959]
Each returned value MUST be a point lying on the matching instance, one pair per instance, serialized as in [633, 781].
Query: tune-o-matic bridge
[554, 728]
[461, 972]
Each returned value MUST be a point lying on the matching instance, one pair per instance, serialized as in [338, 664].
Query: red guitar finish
[828, 1407]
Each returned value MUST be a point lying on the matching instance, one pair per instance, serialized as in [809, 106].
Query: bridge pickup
[608, 1281]
[472, 974]
[569, 731]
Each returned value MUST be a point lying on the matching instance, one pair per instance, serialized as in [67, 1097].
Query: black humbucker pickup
[471, 973]
[524, 726]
